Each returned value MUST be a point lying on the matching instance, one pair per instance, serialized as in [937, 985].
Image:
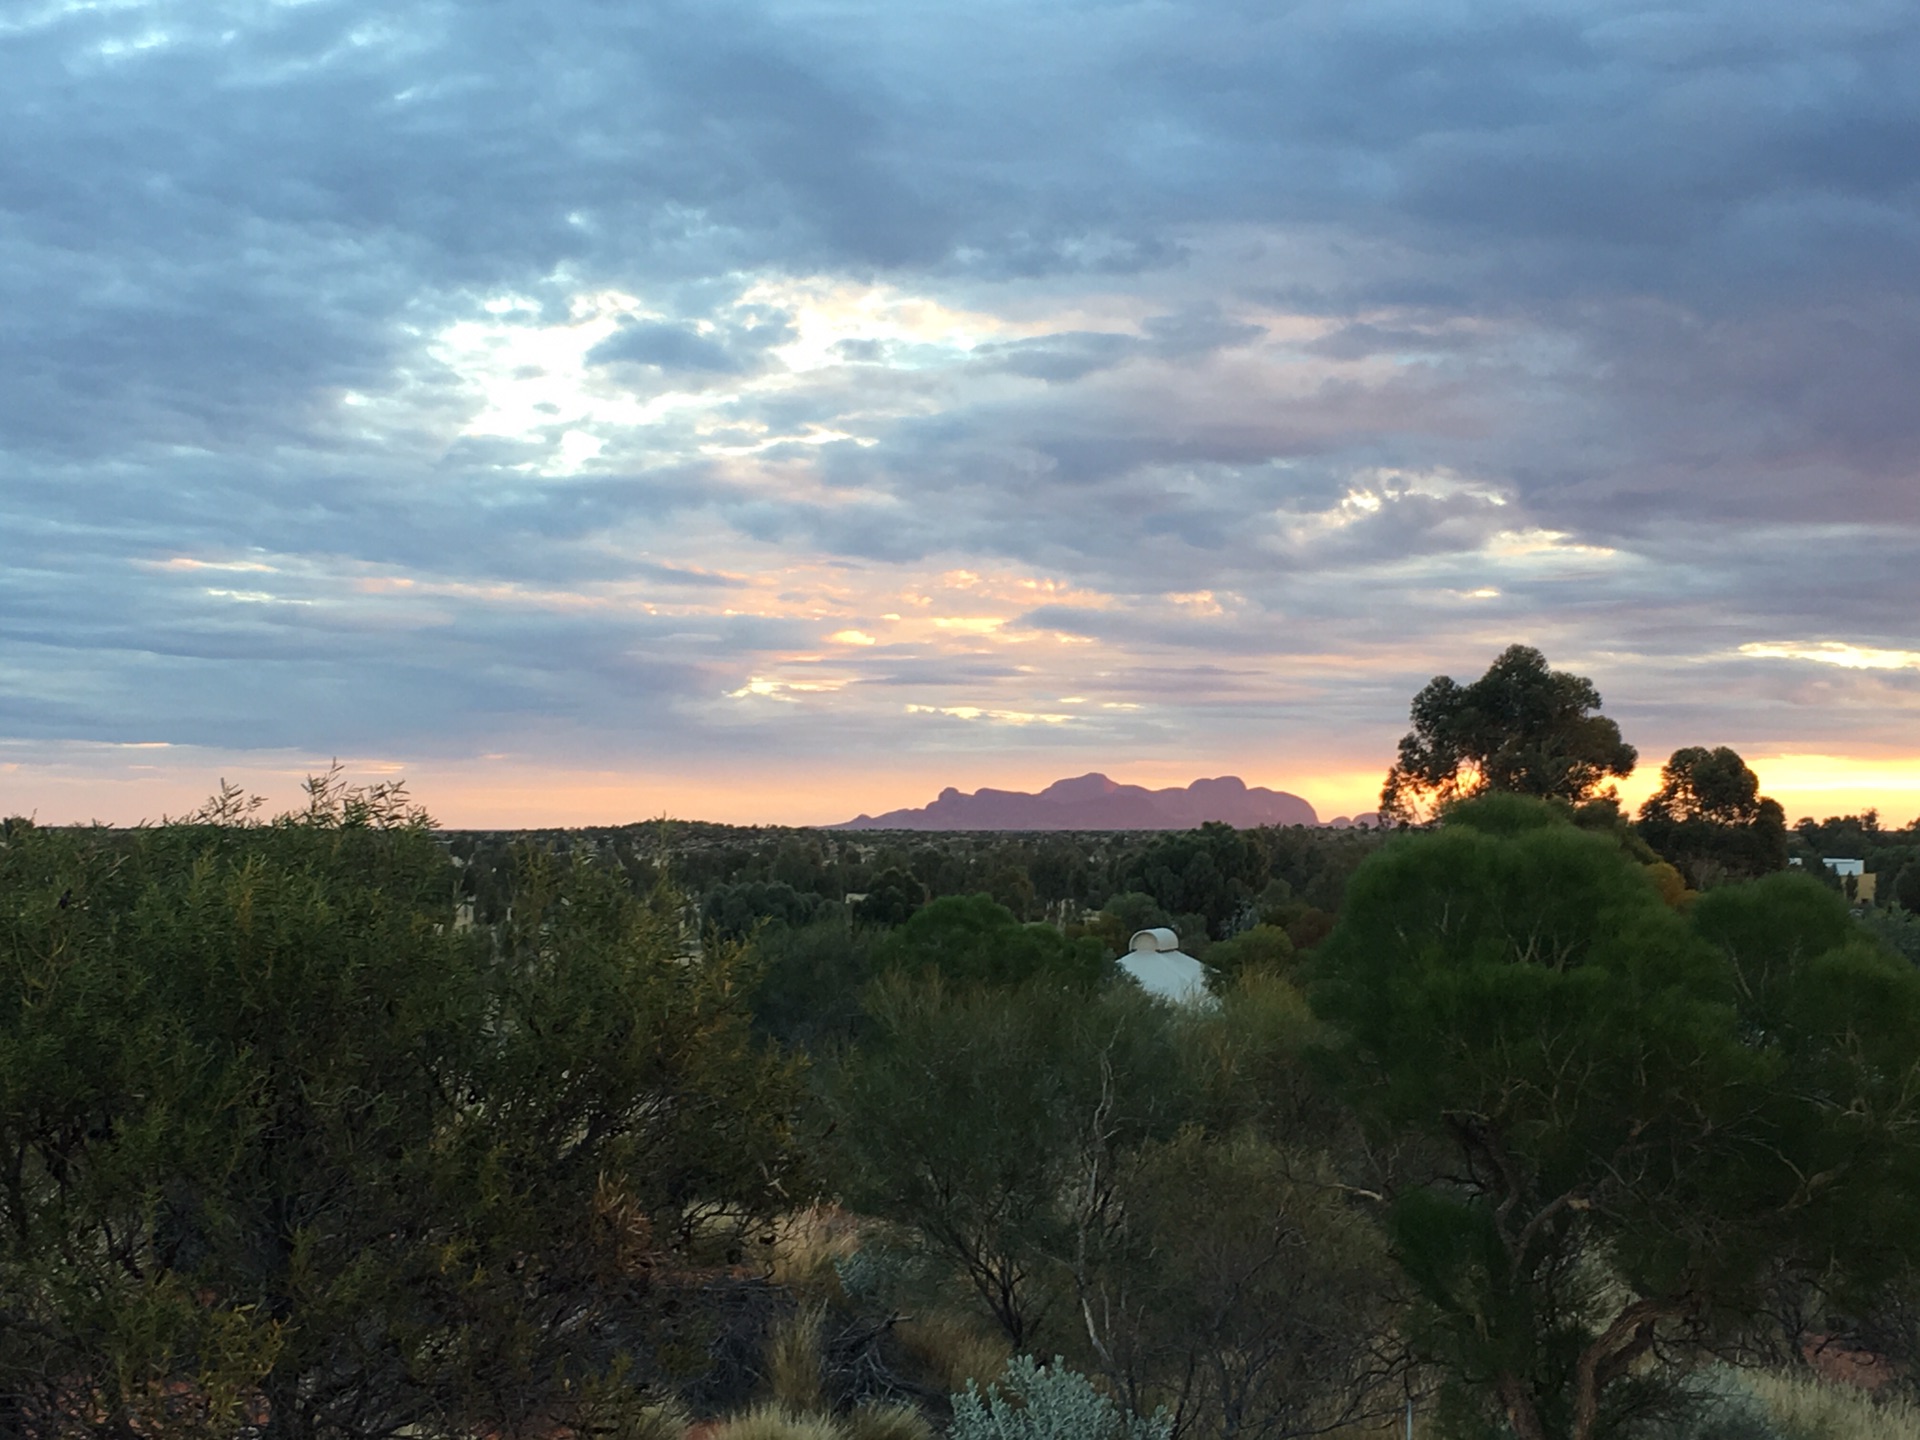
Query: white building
[1154, 958]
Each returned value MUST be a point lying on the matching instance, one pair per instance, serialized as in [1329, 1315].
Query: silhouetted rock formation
[1093, 802]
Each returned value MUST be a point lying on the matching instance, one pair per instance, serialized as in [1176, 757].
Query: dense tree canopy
[1520, 728]
[1129, 1185]
[1709, 819]
[1213, 872]
[282, 1138]
[966, 1112]
[1634, 1121]
[338, 1127]
[975, 940]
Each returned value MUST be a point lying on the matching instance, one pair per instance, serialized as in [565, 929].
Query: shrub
[1261, 949]
[974, 940]
[1035, 1402]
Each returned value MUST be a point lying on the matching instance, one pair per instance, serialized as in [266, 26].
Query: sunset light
[826, 404]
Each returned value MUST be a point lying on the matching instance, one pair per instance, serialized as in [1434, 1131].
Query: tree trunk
[1522, 1414]
[1628, 1338]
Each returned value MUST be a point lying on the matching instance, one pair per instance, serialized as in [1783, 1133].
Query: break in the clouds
[848, 389]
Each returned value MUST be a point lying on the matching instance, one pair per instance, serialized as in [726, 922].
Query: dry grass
[775, 1422]
[1805, 1408]
[660, 1421]
[794, 1367]
[954, 1350]
[886, 1422]
[805, 1245]
[1800, 1407]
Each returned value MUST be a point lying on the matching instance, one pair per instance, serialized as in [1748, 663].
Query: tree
[812, 979]
[967, 1113]
[974, 940]
[1262, 949]
[1906, 887]
[1710, 820]
[1520, 728]
[735, 911]
[1228, 1280]
[1635, 1122]
[359, 1171]
[891, 899]
[1213, 872]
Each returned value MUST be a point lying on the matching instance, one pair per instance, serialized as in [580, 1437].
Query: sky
[772, 412]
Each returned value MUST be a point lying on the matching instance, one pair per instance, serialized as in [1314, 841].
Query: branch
[1607, 1358]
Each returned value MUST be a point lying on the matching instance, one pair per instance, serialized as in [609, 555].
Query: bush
[1035, 1402]
[811, 979]
[1898, 930]
[276, 1120]
[735, 911]
[1905, 890]
[973, 940]
[966, 1113]
[1264, 950]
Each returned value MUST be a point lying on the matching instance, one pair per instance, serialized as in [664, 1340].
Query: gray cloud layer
[1392, 331]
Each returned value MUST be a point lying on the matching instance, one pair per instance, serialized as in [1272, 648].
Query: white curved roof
[1155, 960]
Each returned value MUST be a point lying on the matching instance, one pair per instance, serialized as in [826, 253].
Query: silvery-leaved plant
[1035, 1402]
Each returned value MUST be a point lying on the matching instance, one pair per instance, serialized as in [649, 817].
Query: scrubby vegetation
[1508, 1126]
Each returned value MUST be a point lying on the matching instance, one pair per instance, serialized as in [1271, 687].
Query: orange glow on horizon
[124, 784]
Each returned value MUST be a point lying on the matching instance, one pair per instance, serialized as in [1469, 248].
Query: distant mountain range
[1093, 802]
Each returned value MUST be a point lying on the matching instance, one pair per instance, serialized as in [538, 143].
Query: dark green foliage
[1885, 852]
[1307, 927]
[1059, 873]
[807, 862]
[973, 940]
[1263, 949]
[731, 869]
[1228, 1280]
[964, 1114]
[1776, 925]
[1844, 834]
[1213, 872]
[360, 1170]
[812, 979]
[1709, 819]
[1714, 785]
[1898, 929]
[1712, 1405]
[1124, 914]
[1147, 1191]
[1315, 865]
[1624, 1109]
[893, 898]
[735, 911]
[1520, 728]
[1905, 891]
[1505, 814]
[1009, 885]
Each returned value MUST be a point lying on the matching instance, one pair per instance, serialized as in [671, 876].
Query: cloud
[729, 351]
[671, 347]
[1837, 652]
[567, 371]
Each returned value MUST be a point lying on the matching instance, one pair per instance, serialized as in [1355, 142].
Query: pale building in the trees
[1154, 958]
